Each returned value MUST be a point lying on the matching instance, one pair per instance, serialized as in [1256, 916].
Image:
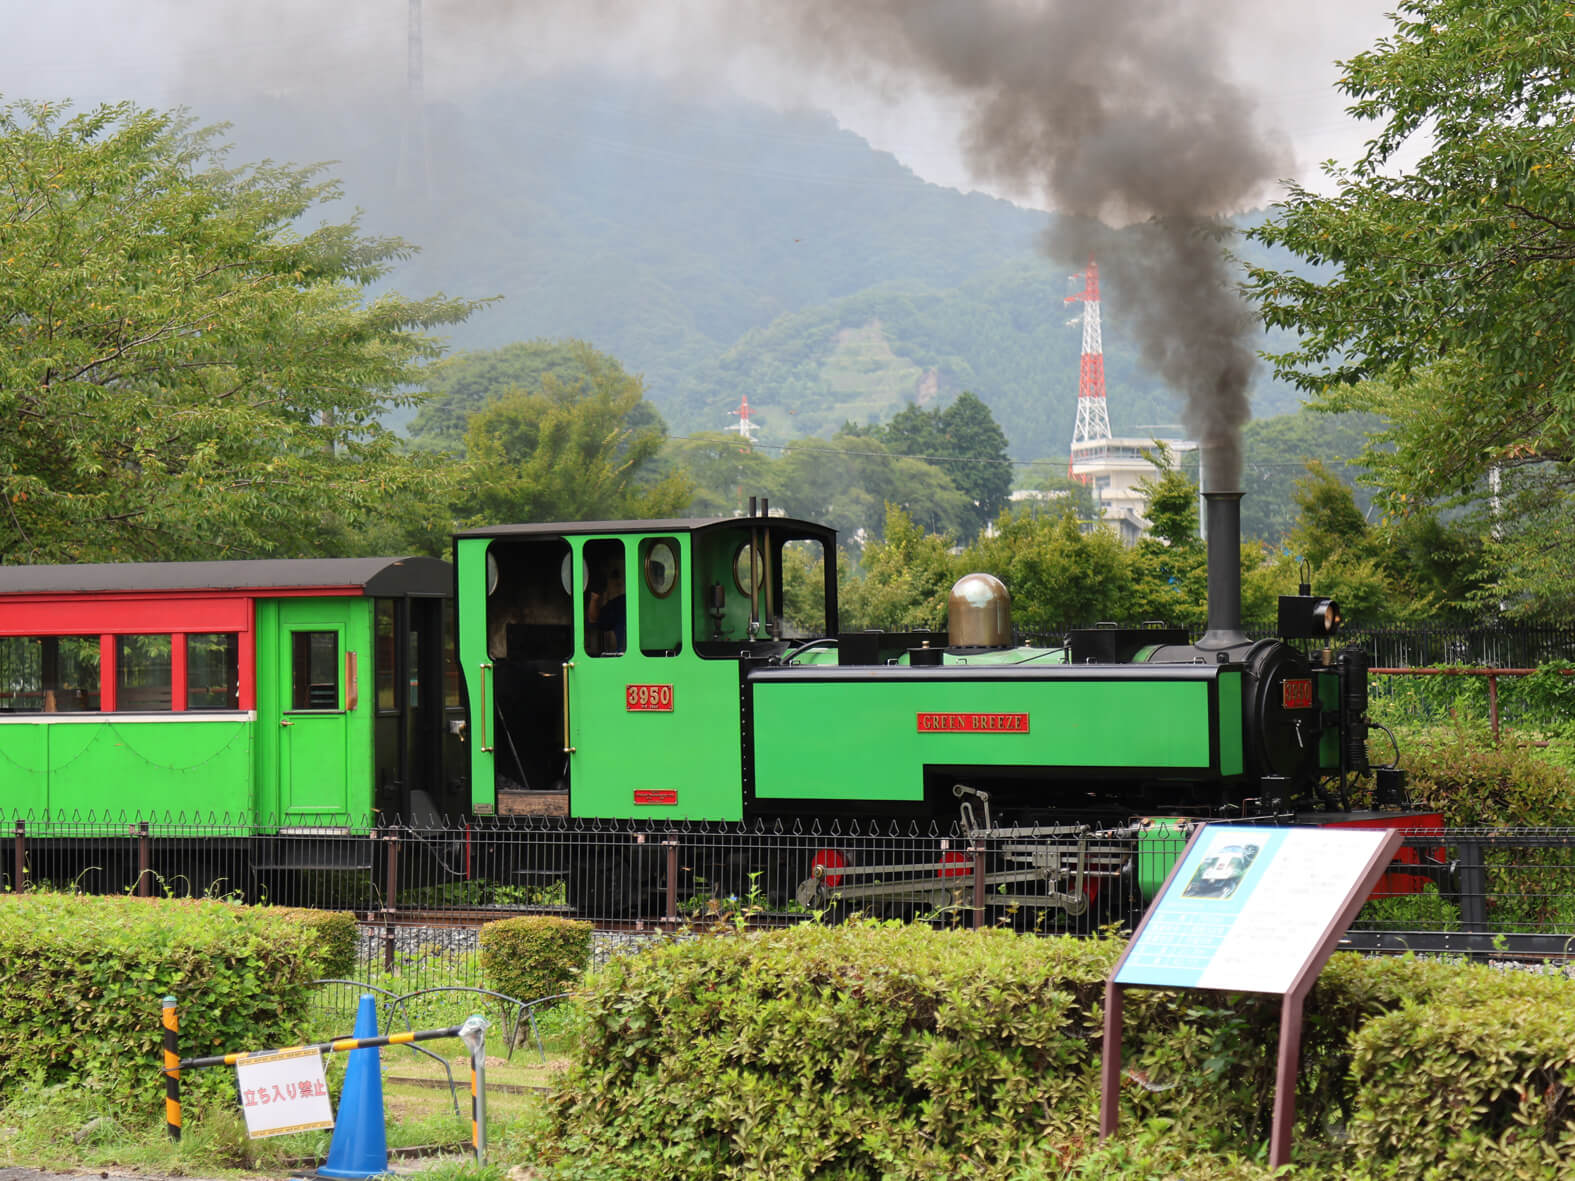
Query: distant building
[1113, 469]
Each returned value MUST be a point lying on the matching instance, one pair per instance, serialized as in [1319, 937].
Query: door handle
[486, 714]
[285, 722]
[568, 749]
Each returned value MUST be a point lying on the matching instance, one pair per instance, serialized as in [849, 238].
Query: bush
[335, 937]
[868, 1050]
[1208, 1060]
[1477, 1083]
[86, 1009]
[898, 1052]
[1473, 784]
[535, 956]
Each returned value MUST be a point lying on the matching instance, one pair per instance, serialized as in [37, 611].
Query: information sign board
[283, 1092]
[1249, 907]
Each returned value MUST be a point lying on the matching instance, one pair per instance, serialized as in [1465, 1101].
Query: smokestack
[1222, 514]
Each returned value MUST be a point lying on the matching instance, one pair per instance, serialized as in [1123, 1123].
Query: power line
[826, 445]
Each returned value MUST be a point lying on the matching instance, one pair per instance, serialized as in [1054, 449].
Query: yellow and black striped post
[171, 1023]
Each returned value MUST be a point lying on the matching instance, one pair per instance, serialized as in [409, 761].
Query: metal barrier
[1490, 676]
[472, 1032]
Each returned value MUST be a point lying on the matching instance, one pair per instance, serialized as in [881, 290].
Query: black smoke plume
[1114, 113]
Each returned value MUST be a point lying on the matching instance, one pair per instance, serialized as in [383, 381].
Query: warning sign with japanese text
[283, 1092]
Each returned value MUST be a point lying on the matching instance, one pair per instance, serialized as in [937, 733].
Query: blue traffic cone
[360, 1144]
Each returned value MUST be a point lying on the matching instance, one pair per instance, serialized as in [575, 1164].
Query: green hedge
[534, 956]
[84, 977]
[866, 1051]
[1477, 1081]
[335, 936]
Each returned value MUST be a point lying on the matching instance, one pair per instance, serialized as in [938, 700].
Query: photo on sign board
[1218, 874]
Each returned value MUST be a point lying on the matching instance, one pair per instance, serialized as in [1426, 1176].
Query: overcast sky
[1279, 54]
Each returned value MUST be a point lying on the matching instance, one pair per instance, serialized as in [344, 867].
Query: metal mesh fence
[421, 895]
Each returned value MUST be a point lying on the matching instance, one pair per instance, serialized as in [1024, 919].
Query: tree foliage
[460, 385]
[1274, 457]
[1056, 573]
[569, 452]
[903, 581]
[186, 373]
[724, 468]
[966, 443]
[1445, 291]
[1169, 562]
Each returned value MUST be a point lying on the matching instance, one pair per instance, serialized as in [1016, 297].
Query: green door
[654, 729]
[318, 684]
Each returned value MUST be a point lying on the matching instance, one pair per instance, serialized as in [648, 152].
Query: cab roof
[670, 525]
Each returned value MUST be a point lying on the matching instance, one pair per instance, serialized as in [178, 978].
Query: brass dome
[979, 613]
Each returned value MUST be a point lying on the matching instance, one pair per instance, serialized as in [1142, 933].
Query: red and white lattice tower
[745, 427]
[1093, 415]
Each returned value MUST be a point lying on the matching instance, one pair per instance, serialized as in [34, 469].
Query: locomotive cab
[601, 659]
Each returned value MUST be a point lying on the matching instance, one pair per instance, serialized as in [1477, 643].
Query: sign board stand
[1248, 908]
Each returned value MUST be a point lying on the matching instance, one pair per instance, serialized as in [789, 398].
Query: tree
[725, 468]
[1329, 522]
[185, 373]
[1274, 457]
[464, 383]
[569, 453]
[842, 482]
[1445, 298]
[966, 443]
[1056, 574]
[1169, 563]
[1068, 494]
[903, 582]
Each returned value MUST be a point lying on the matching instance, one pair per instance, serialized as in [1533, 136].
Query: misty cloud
[1112, 112]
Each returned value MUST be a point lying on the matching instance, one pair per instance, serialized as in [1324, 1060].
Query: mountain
[723, 250]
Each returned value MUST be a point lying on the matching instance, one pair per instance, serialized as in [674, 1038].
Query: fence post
[978, 885]
[20, 874]
[637, 877]
[144, 860]
[670, 918]
[1492, 680]
[1473, 887]
[390, 897]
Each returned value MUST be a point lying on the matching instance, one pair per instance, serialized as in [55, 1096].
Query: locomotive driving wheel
[819, 891]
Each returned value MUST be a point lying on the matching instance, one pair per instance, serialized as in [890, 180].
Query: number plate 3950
[649, 698]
